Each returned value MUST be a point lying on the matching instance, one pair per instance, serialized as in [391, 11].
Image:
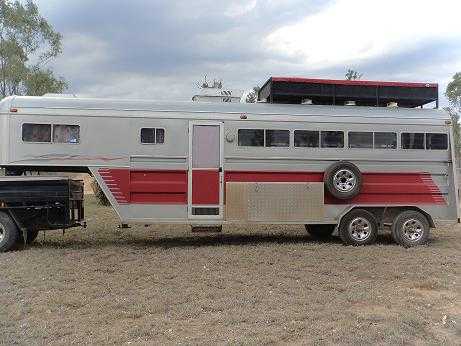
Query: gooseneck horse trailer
[351, 170]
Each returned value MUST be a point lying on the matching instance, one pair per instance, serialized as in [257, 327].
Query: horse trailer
[349, 170]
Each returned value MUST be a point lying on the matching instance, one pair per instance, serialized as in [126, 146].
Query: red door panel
[205, 187]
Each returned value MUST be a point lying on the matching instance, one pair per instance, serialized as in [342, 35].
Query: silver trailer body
[195, 163]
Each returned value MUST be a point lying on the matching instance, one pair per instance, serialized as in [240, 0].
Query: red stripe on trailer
[377, 188]
[146, 186]
[245, 176]
[117, 181]
[170, 186]
[354, 82]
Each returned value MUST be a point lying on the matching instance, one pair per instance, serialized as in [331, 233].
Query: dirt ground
[268, 284]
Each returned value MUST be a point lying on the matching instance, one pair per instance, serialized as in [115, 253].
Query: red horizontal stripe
[170, 187]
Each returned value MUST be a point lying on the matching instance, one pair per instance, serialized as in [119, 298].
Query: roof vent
[307, 102]
[350, 103]
[392, 104]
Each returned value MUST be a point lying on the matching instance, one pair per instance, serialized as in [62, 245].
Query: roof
[31, 102]
[336, 92]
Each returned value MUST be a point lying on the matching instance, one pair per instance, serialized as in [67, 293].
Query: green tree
[252, 96]
[353, 75]
[453, 94]
[27, 44]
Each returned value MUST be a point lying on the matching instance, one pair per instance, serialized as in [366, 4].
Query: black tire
[343, 180]
[358, 227]
[410, 228]
[9, 233]
[320, 231]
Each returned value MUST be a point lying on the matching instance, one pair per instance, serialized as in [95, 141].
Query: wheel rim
[413, 229]
[360, 229]
[2, 233]
[344, 180]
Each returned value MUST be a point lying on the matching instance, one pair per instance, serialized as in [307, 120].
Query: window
[159, 136]
[66, 134]
[436, 141]
[360, 139]
[152, 136]
[307, 139]
[251, 138]
[385, 140]
[412, 140]
[332, 139]
[277, 138]
[36, 133]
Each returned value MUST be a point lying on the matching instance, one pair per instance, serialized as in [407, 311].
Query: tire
[358, 227]
[343, 180]
[410, 228]
[9, 233]
[320, 231]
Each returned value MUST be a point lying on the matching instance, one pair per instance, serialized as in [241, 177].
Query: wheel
[343, 180]
[320, 231]
[410, 228]
[9, 233]
[358, 227]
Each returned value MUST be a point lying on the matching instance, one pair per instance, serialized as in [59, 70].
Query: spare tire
[343, 180]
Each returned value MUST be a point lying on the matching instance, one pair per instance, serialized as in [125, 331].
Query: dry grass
[163, 284]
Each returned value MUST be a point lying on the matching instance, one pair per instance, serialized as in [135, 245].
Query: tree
[252, 96]
[27, 44]
[352, 75]
[453, 94]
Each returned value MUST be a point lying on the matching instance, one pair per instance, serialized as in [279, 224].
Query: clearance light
[13, 110]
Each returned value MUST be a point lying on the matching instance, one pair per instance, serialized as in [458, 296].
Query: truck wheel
[9, 233]
[320, 231]
[343, 180]
[410, 228]
[358, 227]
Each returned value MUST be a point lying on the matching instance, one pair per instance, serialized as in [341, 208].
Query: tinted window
[309, 139]
[412, 140]
[332, 139]
[360, 139]
[159, 136]
[436, 141]
[37, 133]
[385, 140]
[148, 136]
[152, 136]
[251, 138]
[66, 134]
[277, 138]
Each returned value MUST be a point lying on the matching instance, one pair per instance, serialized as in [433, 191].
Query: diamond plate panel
[285, 201]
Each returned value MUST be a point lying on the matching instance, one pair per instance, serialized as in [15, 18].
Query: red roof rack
[336, 92]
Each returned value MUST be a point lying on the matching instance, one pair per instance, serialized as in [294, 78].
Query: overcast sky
[159, 49]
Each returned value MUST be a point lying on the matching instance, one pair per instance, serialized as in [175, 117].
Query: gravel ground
[266, 284]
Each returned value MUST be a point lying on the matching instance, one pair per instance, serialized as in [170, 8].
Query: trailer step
[206, 229]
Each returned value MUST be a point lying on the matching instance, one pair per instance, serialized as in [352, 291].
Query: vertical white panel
[205, 146]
